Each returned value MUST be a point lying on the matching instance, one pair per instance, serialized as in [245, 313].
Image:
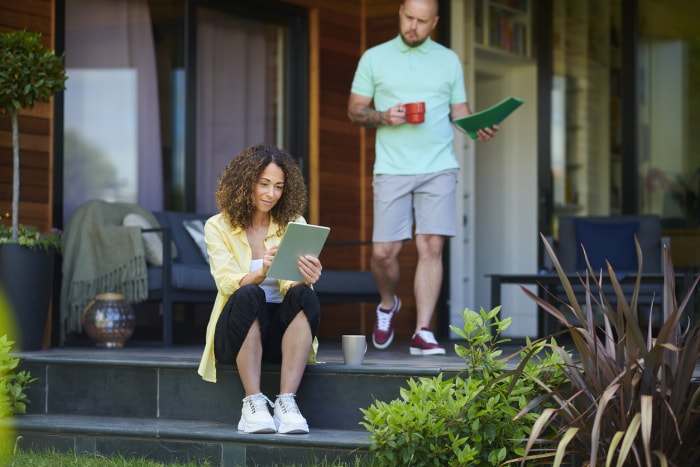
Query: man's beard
[415, 43]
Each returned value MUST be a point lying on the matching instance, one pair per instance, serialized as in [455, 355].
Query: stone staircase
[150, 402]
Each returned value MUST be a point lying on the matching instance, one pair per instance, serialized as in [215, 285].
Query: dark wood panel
[333, 98]
[382, 29]
[30, 213]
[34, 7]
[339, 319]
[34, 127]
[344, 145]
[30, 193]
[337, 71]
[341, 27]
[340, 6]
[13, 21]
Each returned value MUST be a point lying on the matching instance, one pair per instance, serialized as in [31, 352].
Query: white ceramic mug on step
[354, 348]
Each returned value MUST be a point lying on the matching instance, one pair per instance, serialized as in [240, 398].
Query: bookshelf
[503, 27]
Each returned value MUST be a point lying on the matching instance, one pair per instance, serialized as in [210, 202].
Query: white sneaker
[288, 419]
[255, 415]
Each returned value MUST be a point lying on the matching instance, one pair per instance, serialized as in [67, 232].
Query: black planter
[26, 276]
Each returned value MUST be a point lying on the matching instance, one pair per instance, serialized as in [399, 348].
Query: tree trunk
[15, 176]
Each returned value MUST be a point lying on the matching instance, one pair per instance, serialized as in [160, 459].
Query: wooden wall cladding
[343, 173]
[340, 178]
[35, 128]
[346, 161]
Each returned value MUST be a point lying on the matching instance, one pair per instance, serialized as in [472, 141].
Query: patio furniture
[158, 257]
[186, 278]
[604, 238]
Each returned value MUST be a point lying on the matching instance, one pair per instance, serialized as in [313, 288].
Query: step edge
[199, 430]
[318, 368]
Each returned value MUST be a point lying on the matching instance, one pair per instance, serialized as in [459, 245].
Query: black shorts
[248, 304]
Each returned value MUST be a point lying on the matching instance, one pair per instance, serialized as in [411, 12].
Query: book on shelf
[488, 117]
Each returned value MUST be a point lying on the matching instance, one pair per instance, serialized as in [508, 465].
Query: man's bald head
[417, 19]
[430, 3]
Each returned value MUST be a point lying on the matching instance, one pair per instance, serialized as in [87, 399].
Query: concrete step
[167, 441]
[151, 402]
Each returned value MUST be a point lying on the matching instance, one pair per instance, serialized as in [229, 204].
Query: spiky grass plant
[630, 398]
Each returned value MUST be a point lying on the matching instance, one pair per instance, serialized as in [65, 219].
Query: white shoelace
[384, 317]
[257, 403]
[384, 320]
[427, 336]
[287, 403]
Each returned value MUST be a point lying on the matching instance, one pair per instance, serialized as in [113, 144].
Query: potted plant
[630, 396]
[28, 73]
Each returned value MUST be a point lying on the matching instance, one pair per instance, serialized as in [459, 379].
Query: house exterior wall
[35, 128]
[341, 154]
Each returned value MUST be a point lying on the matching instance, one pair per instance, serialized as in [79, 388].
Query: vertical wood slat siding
[342, 172]
[35, 128]
[345, 169]
[340, 181]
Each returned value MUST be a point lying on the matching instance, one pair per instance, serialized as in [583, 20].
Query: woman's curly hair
[234, 195]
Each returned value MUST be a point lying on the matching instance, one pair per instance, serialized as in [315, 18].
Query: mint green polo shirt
[392, 73]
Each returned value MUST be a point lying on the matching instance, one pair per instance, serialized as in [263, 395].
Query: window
[668, 77]
[163, 94]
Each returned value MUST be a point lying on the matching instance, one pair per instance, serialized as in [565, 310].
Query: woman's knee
[250, 292]
[246, 305]
[306, 300]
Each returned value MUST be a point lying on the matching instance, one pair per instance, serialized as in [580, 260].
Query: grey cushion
[195, 228]
[188, 253]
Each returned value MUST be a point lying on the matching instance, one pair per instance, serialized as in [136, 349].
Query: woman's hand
[267, 259]
[310, 268]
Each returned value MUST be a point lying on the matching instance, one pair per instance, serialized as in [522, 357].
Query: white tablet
[298, 240]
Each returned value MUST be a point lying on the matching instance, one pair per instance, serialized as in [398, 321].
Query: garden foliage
[468, 419]
[13, 383]
[630, 397]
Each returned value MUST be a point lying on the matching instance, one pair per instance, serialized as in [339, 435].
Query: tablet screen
[298, 240]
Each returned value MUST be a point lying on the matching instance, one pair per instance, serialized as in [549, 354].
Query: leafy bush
[29, 236]
[631, 398]
[468, 419]
[29, 73]
[13, 399]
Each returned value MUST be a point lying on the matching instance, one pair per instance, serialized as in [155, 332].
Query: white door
[497, 196]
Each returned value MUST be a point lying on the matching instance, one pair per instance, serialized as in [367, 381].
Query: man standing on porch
[415, 169]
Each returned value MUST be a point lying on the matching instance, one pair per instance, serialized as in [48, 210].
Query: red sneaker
[383, 332]
[423, 343]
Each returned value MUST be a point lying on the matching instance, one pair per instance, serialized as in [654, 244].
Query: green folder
[488, 117]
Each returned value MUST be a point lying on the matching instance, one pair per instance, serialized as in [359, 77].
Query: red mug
[415, 112]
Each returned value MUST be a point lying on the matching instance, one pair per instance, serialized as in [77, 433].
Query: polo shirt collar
[423, 48]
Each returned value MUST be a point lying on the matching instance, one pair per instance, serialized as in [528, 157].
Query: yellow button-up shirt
[230, 257]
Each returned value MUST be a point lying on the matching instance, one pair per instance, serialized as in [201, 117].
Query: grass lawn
[56, 459]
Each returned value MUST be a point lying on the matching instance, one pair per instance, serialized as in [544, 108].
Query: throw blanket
[100, 256]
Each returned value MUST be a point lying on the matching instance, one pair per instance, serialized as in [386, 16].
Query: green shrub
[468, 419]
[13, 399]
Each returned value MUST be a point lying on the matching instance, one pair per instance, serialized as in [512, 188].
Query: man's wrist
[380, 118]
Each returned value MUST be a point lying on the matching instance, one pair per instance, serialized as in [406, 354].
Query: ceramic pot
[109, 320]
[26, 280]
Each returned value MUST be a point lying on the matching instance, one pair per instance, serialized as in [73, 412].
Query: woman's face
[268, 188]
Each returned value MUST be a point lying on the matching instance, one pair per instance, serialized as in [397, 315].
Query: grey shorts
[400, 199]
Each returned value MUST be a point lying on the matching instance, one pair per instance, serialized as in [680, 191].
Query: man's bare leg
[385, 268]
[428, 279]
